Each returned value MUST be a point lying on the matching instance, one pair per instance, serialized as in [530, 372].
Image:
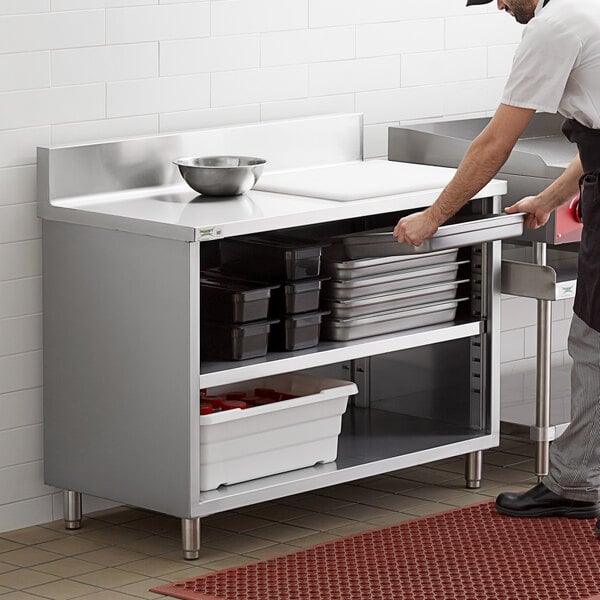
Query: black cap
[472, 2]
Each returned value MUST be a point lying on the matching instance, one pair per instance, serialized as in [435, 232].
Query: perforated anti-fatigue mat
[469, 553]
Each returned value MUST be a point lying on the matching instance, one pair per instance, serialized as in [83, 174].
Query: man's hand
[415, 228]
[540, 207]
[537, 211]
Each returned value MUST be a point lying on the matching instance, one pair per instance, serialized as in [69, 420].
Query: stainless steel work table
[122, 241]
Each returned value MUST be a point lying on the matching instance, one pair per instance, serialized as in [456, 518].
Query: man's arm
[538, 208]
[484, 158]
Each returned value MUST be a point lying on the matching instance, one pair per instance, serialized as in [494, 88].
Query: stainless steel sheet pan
[343, 330]
[367, 305]
[464, 232]
[352, 269]
[381, 284]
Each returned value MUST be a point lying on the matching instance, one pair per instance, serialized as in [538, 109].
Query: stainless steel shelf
[556, 280]
[372, 441]
[220, 373]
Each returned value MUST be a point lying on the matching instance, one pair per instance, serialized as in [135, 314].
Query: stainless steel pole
[544, 338]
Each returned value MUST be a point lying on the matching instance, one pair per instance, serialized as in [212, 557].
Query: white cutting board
[356, 180]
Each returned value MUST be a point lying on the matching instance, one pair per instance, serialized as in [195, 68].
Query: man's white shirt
[557, 64]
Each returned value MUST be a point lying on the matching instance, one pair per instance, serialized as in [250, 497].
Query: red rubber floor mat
[469, 553]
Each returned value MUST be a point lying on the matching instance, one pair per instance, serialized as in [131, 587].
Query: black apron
[587, 297]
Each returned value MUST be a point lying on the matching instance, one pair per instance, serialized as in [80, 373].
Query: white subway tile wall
[443, 66]
[209, 117]
[74, 71]
[147, 23]
[21, 7]
[162, 94]
[18, 185]
[23, 71]
[18, 146]
[52, 105]
[49, 31]
[307, 46]
[342, 77]
[104, 63]
[103, 129]
[230, 88]
[20, 297]
[230, 17]
[308, 106]
[204, 55]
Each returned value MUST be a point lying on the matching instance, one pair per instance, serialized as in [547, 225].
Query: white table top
[356, 180]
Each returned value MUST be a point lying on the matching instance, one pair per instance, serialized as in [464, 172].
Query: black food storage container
[294, 297]
[295, 332]
[271, 258]
[232, 300]
[234, 341]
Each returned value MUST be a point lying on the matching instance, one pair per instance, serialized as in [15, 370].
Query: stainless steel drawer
[463, 232]
[352, 269]
[367, 305]
[344, 330]
[402, 280]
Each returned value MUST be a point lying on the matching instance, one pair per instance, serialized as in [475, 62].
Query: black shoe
[541, 502]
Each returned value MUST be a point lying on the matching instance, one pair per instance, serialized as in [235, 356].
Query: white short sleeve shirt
[557, 64]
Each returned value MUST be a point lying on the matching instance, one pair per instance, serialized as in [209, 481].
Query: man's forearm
[565, 187]
[481, 163]
[485, 157]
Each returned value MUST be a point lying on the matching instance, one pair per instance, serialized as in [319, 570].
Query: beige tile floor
[120, 553]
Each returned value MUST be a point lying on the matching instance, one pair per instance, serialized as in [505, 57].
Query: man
[556, 69]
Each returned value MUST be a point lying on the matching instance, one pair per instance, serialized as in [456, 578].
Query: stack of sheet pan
[379, 294]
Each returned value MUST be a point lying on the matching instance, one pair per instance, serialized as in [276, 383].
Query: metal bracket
[546, 434]
[538, 281]
[542, 434]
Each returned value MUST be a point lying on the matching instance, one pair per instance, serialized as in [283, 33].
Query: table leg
[190, 538]
[473, 464]
[72, 509]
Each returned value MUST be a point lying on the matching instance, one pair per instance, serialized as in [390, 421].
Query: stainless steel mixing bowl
[221, 175]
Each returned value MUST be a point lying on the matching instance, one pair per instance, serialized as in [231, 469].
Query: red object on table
[215, 401]
[229, 404]
[206, 408]
[268, 395]
[252, 400]
[262, 400]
